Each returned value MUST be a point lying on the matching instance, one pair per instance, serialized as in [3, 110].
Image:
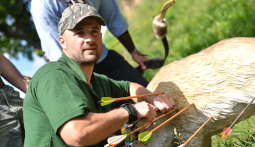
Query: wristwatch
[131, 111]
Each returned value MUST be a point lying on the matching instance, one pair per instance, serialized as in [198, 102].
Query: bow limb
[159, 23]
[164, 9]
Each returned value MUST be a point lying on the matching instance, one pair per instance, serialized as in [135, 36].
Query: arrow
[107, 100]
[116, 140]
[183, 145]
[130, 143]
[146, 135]
[131, 125]
[229, 129]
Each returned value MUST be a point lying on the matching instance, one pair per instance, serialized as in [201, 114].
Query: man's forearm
[93, 128]
[136, 89]
[127, 41]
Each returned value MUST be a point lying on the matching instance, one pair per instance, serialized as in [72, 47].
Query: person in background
[46, 14]
[61, 105]
[11, 105]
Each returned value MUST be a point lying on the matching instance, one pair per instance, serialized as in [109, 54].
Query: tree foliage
[17, 30]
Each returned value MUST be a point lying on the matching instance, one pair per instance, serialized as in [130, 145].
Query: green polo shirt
[58, 93]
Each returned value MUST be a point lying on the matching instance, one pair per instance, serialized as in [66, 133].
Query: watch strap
[131, 111]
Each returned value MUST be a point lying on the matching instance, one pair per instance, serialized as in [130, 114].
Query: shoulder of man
[51, 66]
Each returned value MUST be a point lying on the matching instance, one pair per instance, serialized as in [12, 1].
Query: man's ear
[62, 41]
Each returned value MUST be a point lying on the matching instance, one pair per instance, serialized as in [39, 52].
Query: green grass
[243, 135]
[192, 26]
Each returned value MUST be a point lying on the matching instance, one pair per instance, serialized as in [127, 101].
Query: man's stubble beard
[88, 61]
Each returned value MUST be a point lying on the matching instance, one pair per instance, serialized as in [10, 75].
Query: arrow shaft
[130, 97]
[129, 126]
[130, 133]
[196, 132]
[238, 117]
[168, 120]
[138, 134]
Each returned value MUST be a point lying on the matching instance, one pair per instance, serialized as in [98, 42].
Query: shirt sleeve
[115, 21]
[46, 23]
[61, 98]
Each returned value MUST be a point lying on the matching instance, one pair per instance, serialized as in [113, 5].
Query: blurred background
[193, 25]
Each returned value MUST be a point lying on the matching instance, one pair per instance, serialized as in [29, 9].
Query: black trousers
[116, 67]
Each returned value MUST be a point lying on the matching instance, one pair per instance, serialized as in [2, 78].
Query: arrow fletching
[106, 101]
[144, 136]
[113, 141]
[225, 130]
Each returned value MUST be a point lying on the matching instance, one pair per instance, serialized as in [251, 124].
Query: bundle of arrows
[144, 136]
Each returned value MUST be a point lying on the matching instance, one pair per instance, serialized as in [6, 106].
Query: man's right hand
[145, 111]
[139, 59]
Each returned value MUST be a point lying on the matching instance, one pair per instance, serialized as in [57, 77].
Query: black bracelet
[131, 111]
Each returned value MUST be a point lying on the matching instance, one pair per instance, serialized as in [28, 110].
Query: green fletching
[147, 136]
[106, 98]
[106, 101]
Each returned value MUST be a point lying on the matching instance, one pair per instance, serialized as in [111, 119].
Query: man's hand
[139, 59]
[164, 102]
[146, 111]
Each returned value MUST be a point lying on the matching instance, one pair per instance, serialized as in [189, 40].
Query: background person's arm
[46, 15]
[118, 26]
[128, 43]
[11, 74]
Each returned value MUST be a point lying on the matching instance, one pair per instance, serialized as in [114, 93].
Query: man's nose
[89, 39]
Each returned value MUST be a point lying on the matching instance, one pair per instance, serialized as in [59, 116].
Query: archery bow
[160, 30]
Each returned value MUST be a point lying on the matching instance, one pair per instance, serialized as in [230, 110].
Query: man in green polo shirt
[60, 107]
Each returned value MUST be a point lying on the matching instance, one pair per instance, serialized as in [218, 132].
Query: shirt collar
[75, 67]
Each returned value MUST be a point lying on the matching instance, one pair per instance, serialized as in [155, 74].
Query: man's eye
[79, 33]
[95, 32]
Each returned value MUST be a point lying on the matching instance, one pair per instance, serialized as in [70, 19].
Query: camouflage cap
[74, 14]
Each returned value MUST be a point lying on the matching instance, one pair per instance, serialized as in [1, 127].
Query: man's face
[83, 44]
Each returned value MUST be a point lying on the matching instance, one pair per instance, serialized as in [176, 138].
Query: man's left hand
[164, 102]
